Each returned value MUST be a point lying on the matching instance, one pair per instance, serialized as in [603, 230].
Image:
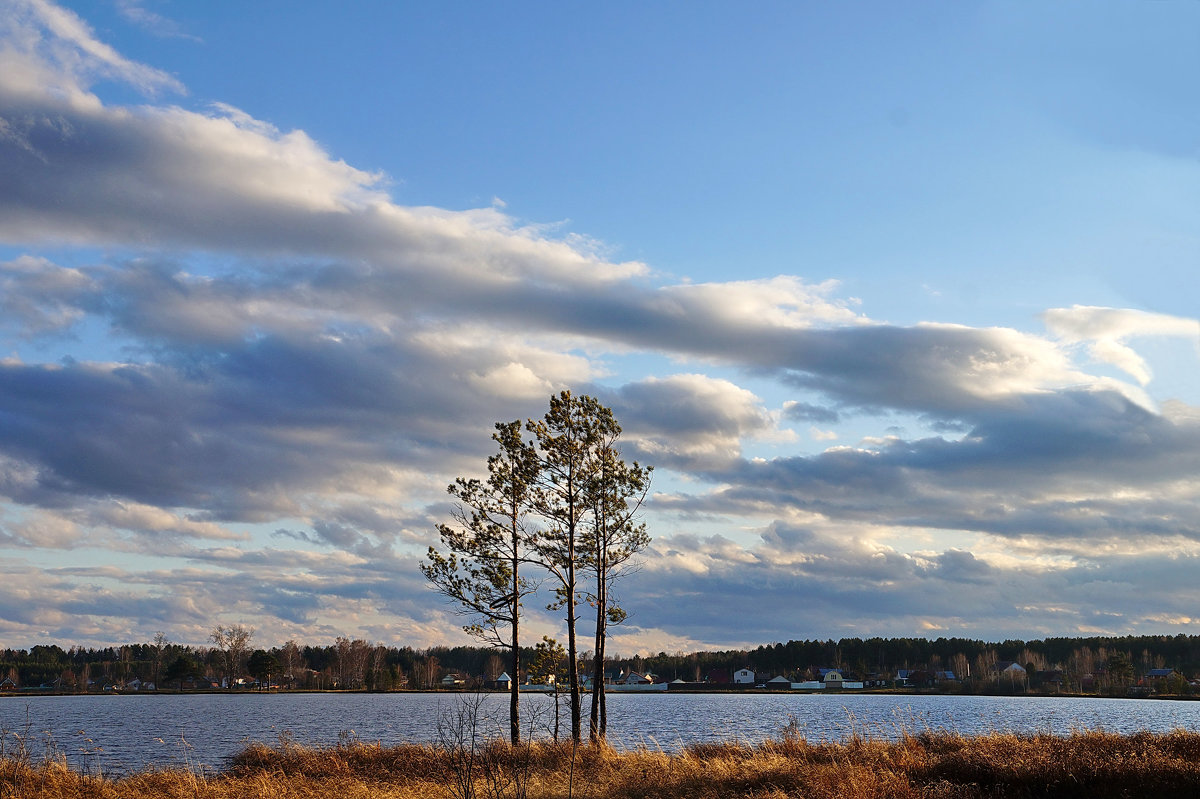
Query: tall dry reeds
[935, 764]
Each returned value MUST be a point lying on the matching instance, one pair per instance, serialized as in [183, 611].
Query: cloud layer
[268, 371]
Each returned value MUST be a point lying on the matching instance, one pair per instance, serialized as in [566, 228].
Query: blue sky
[900, 301]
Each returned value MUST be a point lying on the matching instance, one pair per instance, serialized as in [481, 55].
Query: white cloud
[690, 419]
[38, 297]
[784, 301]
[151, 519]
[155, 23]
[1105, 331]
[76, 54]
[43, 530]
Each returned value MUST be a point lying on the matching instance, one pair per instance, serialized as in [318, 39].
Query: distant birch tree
[232, 644]
[961, 666]
[484, 548]
[291, 661]
[158, 649]
[350, 662]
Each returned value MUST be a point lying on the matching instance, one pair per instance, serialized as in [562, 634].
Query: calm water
[116, 734]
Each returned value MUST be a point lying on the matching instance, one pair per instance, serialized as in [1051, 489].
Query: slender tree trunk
[572, 651]
[514, 695]
[596, 729]
[603, 648]
[597, 686]
[603, 714]
[557, 711]
[573, 513]
[599, 693]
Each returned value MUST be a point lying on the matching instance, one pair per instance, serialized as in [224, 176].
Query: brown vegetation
[928, 764]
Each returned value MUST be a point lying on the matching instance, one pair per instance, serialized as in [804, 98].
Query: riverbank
[933, 765]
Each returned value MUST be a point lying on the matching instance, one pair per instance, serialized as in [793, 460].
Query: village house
[1009, 672]
[1049, 678]
[719, 677]
[1008, 667]
[633, 678]
[1164, 681]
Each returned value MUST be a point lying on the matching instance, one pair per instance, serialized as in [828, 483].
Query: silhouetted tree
[180, 669]
[615, 490]
[568, 438]
[486, 545]
[262, 665]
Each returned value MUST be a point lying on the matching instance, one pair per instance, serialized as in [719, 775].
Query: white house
[743, 677]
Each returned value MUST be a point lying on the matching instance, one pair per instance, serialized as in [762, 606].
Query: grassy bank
[1088, 764]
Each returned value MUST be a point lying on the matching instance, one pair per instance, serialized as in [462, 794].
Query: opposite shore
[726, 691]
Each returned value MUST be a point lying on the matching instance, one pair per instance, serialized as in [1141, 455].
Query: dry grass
[928, 764]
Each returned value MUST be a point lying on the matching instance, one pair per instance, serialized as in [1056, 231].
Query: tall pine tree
[616, 491]
[486, 545]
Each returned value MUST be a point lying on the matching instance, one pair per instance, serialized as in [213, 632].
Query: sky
[899, 301]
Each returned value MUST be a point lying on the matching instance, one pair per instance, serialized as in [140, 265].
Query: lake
[122, 733]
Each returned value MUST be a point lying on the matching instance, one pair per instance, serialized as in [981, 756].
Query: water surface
[115, 734]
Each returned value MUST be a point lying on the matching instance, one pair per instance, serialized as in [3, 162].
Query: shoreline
[27, 693]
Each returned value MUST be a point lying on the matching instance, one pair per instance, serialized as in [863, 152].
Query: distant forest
[1110, 664]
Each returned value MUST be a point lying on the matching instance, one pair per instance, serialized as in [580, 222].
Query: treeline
[355, 664]
[347, 664]
[966, 657]
[883, 655]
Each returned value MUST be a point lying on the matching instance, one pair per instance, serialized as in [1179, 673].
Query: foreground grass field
[931, 764]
